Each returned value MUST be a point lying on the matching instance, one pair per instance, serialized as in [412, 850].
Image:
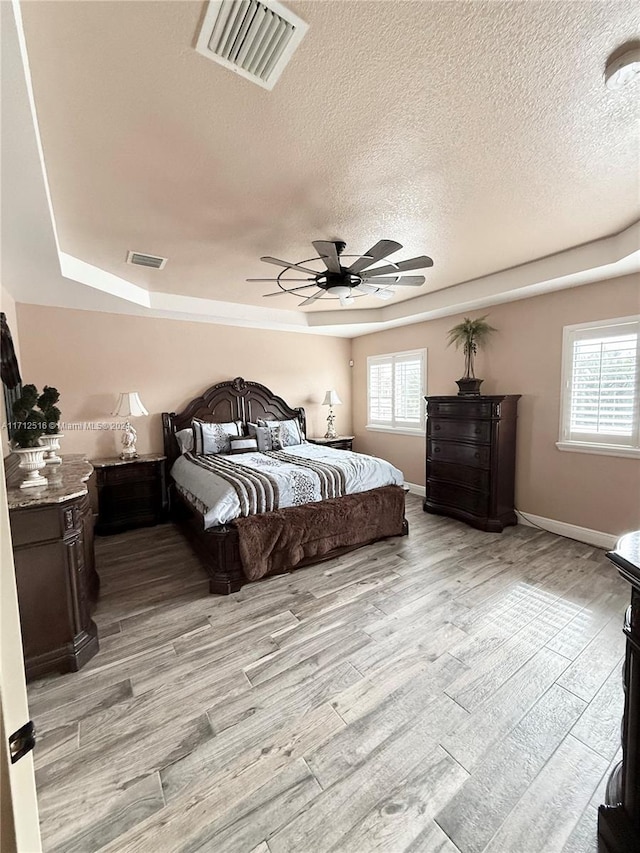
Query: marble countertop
[66, 481]
[112, 461]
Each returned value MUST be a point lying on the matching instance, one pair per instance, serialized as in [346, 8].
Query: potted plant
[50, 420]
[471, 335]
[28, 428]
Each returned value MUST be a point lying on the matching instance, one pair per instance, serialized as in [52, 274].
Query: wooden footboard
[219, 547]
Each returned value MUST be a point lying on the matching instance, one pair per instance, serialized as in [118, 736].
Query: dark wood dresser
[131, 493]
[52, 535]
[619, 818]
[471, 453]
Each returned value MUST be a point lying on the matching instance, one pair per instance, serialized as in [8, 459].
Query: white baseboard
[415, 489]
[571, 531]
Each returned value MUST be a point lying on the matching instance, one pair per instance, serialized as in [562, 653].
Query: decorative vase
[51, 444]
[469, 386]
[31, 460]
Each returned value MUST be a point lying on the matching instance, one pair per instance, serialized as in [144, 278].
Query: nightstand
[131, 493]
[341, 442]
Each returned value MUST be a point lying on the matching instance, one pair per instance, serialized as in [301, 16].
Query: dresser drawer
[462, 475]
[477, 431]
[464, 454]
[458, 497]
[463, 409]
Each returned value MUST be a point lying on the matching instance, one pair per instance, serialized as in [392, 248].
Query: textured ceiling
[479, 133]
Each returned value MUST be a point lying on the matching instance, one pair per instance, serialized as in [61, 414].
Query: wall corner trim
[571, 531]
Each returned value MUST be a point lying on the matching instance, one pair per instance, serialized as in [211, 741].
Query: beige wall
[90, 357]
[524, 357]
[8, 305]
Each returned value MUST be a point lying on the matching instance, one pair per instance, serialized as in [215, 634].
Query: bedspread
[301, 474]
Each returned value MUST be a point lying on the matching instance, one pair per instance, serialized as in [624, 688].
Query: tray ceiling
[479, 133]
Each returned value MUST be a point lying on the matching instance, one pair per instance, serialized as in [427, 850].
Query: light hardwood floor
[450, 691]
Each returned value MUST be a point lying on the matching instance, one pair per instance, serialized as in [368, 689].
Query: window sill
[418, 433]
[599, 449]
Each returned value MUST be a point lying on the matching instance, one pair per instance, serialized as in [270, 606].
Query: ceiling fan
[345, 283]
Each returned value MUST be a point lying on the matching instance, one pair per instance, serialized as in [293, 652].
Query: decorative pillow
[290, 432]
[184, 437]
[244, 444]
[275, 435]
[262, 437]
[209, 439]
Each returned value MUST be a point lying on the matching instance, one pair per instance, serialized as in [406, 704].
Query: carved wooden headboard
[235, 400]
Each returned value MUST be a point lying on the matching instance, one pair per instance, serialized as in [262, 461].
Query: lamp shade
[129, 406]
[331, 399]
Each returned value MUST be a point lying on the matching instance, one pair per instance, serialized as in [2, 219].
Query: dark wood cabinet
[471, 449]
[619, 817]
[131, 493]
[341, 442]
[57, 583]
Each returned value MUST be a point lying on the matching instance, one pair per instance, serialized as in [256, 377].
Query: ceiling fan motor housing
[343, 280]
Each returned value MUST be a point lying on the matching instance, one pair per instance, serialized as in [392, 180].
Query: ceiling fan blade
[293, 290]
[402, 266]
[383, 294]
[376, 253]
[279, 263]
[363, 287]
[311, 299]
[346, 300]
[410, 280]
[329, 254]
[380, 282]
[279, 279]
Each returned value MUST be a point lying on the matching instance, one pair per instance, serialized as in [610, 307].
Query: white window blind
[396, 388]
[601, 396]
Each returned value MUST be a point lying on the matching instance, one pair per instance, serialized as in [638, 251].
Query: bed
[236, 549]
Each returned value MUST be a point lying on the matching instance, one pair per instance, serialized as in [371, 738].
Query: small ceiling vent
[256, 40]
[141, 260]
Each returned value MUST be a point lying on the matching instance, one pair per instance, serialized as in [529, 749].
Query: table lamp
[129, 406]
[331, 399]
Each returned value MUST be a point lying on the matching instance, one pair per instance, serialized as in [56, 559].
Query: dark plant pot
[469, 387]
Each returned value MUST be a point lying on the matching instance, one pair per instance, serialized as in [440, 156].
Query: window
[396, 388]
[600, 410]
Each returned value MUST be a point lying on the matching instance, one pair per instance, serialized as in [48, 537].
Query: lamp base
[331, 426]
[129, 438]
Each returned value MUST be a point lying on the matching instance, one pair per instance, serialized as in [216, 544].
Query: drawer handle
[437, 426]
[477, 455]
[436, 450]
[477, 430]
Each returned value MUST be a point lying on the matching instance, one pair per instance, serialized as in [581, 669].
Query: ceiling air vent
[141, 260]
[256, 40]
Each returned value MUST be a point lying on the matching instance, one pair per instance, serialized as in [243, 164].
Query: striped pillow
[243, 444]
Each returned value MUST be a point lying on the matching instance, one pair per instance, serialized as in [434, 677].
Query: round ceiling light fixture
[623, 70]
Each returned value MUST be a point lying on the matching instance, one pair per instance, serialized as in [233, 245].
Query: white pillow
[289, 432]
[209, 439]
[184, 437]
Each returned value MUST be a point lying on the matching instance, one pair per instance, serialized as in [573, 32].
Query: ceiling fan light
[339, 290]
